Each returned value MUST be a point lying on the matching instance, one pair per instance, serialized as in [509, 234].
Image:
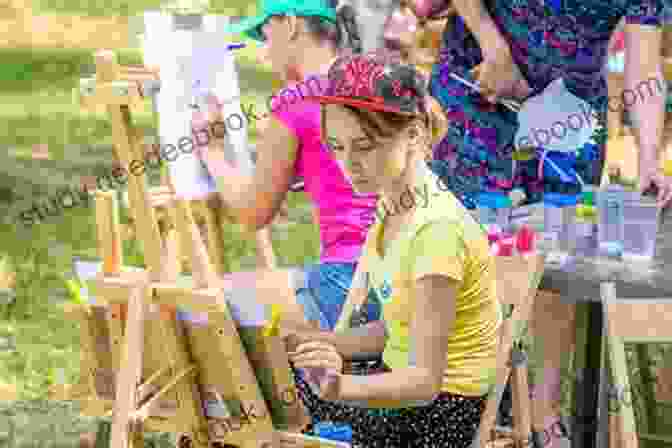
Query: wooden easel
[152, 373]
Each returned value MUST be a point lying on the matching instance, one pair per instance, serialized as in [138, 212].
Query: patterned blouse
[549, 39]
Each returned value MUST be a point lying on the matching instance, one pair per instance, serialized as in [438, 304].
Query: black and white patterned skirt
[450, 421]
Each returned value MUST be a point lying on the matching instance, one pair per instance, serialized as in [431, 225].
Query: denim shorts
[322, 290]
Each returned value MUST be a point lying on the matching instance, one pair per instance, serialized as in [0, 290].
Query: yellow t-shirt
[442, 238]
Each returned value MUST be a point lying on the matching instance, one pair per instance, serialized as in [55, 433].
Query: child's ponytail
[343, 35]
[348, 36]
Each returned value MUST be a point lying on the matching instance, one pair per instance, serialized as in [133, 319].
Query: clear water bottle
[641, 219]
[611, 227]
[560, 217]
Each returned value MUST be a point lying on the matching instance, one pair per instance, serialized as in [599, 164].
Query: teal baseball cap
[251, 26]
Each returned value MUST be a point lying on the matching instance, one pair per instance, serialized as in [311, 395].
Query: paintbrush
[512, 105]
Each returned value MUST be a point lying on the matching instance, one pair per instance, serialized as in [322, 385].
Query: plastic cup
[641, 218]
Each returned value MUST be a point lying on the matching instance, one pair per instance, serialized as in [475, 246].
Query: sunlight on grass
[127, 7]
[36, 87]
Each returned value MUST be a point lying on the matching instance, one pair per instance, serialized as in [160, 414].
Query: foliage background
[36, 87]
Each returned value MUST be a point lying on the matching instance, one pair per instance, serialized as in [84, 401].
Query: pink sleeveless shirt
[343, 216]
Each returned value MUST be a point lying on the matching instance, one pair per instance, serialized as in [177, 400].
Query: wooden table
[579, 282]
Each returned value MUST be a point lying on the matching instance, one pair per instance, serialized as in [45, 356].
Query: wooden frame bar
[159, 360]
[511, 273]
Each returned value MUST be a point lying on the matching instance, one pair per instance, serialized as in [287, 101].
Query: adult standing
[516, 48]
[520, 47]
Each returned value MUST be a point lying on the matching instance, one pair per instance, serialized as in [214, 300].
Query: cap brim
[359, 104]
[248, 27]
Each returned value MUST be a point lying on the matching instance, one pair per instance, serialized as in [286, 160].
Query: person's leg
[552, 327]
[329, 284]
[553, 317]
[322, 291]
[307, 298]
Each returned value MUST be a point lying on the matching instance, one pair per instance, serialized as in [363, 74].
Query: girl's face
[371, 166]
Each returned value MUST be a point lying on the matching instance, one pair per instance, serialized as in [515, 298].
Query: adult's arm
[254, 200]
[480, 23]
[498, 74]
[645, 89]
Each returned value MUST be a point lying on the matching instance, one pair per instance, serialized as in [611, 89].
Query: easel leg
[129, 377]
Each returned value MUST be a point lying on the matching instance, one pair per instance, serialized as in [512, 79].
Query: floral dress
[549, 40]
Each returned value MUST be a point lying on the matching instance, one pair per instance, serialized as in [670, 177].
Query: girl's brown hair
[385, 125]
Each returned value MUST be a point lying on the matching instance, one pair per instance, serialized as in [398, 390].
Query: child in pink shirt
[300, 47]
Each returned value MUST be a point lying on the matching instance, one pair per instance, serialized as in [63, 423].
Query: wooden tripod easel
[143, 367]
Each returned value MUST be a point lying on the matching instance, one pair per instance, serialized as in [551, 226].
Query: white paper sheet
[85, 271]
[191, 64]
[557, 117]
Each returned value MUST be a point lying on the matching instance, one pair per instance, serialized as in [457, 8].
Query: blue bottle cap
[333, 431]
[493, 200]
[561, 200]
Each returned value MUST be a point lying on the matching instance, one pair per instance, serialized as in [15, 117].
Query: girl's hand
[650, 175]
[326, 361]
[207, 127]
[215, 161]
[499, 77]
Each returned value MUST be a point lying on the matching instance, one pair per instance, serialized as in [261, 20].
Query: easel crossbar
[143, 412]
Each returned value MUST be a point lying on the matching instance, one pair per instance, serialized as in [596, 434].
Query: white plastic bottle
[611, 227]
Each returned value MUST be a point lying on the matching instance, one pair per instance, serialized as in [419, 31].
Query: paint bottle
[586, 224]
[506, 245]
[611, 226]
[525, 239]
[494, 232]
[494, 208]
[560, 217]
[333, 431]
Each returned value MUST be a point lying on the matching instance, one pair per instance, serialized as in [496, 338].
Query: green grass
[36, 92]
[36, 89]
[99, 8]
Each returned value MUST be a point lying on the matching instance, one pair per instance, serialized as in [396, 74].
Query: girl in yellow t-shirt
[425, 259]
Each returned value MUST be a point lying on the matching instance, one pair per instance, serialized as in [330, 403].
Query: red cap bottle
[525, 240]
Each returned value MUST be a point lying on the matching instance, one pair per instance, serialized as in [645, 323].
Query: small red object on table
[525, 240]
[506, 246]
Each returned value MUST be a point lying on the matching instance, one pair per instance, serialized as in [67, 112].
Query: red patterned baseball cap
[376, 81]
